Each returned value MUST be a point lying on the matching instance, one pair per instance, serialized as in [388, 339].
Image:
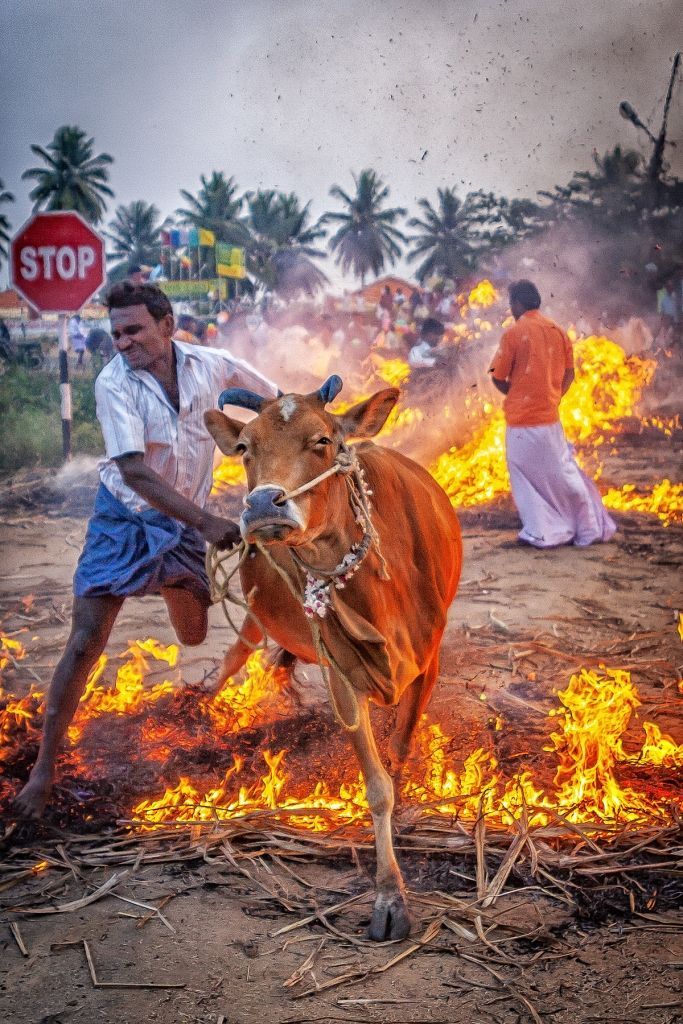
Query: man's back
[534, 354]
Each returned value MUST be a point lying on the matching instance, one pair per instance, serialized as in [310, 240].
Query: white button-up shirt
[136, 415]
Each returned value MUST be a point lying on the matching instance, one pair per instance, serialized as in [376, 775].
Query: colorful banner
[193, 289]
[193, 237]
[229, 261]
[206, 237]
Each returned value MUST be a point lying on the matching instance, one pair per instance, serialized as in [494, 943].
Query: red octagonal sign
[57, 262]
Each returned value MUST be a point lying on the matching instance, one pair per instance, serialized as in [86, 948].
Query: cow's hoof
[390, 919]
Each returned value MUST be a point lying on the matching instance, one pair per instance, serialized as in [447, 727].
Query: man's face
[139, 337]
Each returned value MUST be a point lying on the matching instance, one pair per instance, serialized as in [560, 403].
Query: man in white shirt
[424, 355]
[149, 528]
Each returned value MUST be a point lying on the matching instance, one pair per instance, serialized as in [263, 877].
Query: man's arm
[567, 380]
[237, 373]
[161, 496]
[502, 364]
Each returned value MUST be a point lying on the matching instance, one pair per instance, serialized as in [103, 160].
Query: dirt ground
[613, 956]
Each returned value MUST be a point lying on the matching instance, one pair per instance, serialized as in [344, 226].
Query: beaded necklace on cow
[318, 583]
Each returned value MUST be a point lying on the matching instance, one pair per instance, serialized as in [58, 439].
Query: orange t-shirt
[533, 355]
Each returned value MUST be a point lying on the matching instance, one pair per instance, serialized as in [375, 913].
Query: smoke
[81, 471]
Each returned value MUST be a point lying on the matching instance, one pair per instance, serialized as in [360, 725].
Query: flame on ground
[586, 741]
[592, 719]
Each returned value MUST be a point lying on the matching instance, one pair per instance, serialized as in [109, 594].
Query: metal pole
[64, 386]
[657, 161]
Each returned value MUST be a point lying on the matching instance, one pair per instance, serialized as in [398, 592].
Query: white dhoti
[556, 501]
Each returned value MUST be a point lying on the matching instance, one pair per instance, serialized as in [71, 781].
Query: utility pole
[657, 160]
[656, 164]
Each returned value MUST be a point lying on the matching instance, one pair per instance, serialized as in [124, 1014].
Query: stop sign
[57, 262]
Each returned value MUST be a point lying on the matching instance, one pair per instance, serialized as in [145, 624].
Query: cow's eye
[240, 448]
[323, 441]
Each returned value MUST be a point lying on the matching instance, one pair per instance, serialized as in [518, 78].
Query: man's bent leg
[92, 619]
[188, 612]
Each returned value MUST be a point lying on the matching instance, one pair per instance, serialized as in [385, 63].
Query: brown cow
[381, 632]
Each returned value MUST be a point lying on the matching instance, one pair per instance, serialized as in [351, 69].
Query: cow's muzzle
[266, 516]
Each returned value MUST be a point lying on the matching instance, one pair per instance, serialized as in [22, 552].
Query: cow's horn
[242, 398]
[330, 389]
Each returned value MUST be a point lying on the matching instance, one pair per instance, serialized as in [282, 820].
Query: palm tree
[5, 197]
[443, 238]
[280, 243]
[215, 207]
[135, 235]
[74, 179]
[366, 238]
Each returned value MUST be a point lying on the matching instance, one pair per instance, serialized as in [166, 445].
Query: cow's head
[292, 440]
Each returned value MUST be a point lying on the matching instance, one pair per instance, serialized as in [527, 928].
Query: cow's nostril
[263, 497]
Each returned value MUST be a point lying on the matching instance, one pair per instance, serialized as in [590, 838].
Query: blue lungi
[137, 553]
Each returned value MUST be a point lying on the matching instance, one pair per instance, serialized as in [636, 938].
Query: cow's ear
[223, 430]
[367, 418]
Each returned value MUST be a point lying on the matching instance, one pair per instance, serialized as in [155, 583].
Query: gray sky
[508, 95]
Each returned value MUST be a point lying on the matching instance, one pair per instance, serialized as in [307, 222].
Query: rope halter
[317, 596]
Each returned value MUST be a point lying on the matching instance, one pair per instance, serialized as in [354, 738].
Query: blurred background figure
[187, 329]
[77, 337]
[100, 346]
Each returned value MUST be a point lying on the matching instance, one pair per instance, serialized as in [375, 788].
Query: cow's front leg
[390, 918]
[235, 658]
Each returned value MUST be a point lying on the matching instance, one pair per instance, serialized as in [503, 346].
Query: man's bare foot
[31, 800]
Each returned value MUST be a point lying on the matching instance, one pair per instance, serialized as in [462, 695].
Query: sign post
[64, 386]
[57, 263]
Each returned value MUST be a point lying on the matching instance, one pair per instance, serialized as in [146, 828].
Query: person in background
[5, 335]
[386, 300]
[415, 300]
[137, 274]
[424, 354]
[187, 330]
[399, 297]
[669, 313]
[534, 368]
[149, 527]
[77, 337]
[100, 345]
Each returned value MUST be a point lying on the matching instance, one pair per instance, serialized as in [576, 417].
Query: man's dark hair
[525, 293]
[127, 293]
[432, 326]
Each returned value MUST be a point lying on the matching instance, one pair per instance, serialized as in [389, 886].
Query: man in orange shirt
[533, 368]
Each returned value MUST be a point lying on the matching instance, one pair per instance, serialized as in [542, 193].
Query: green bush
[30, 423]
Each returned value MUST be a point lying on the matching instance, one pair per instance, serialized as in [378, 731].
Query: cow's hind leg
[410, 710]
[390, 918]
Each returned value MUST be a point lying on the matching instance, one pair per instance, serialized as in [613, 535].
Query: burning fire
[594, 714]
[483, 294]
[586, 738]
[393, 372]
